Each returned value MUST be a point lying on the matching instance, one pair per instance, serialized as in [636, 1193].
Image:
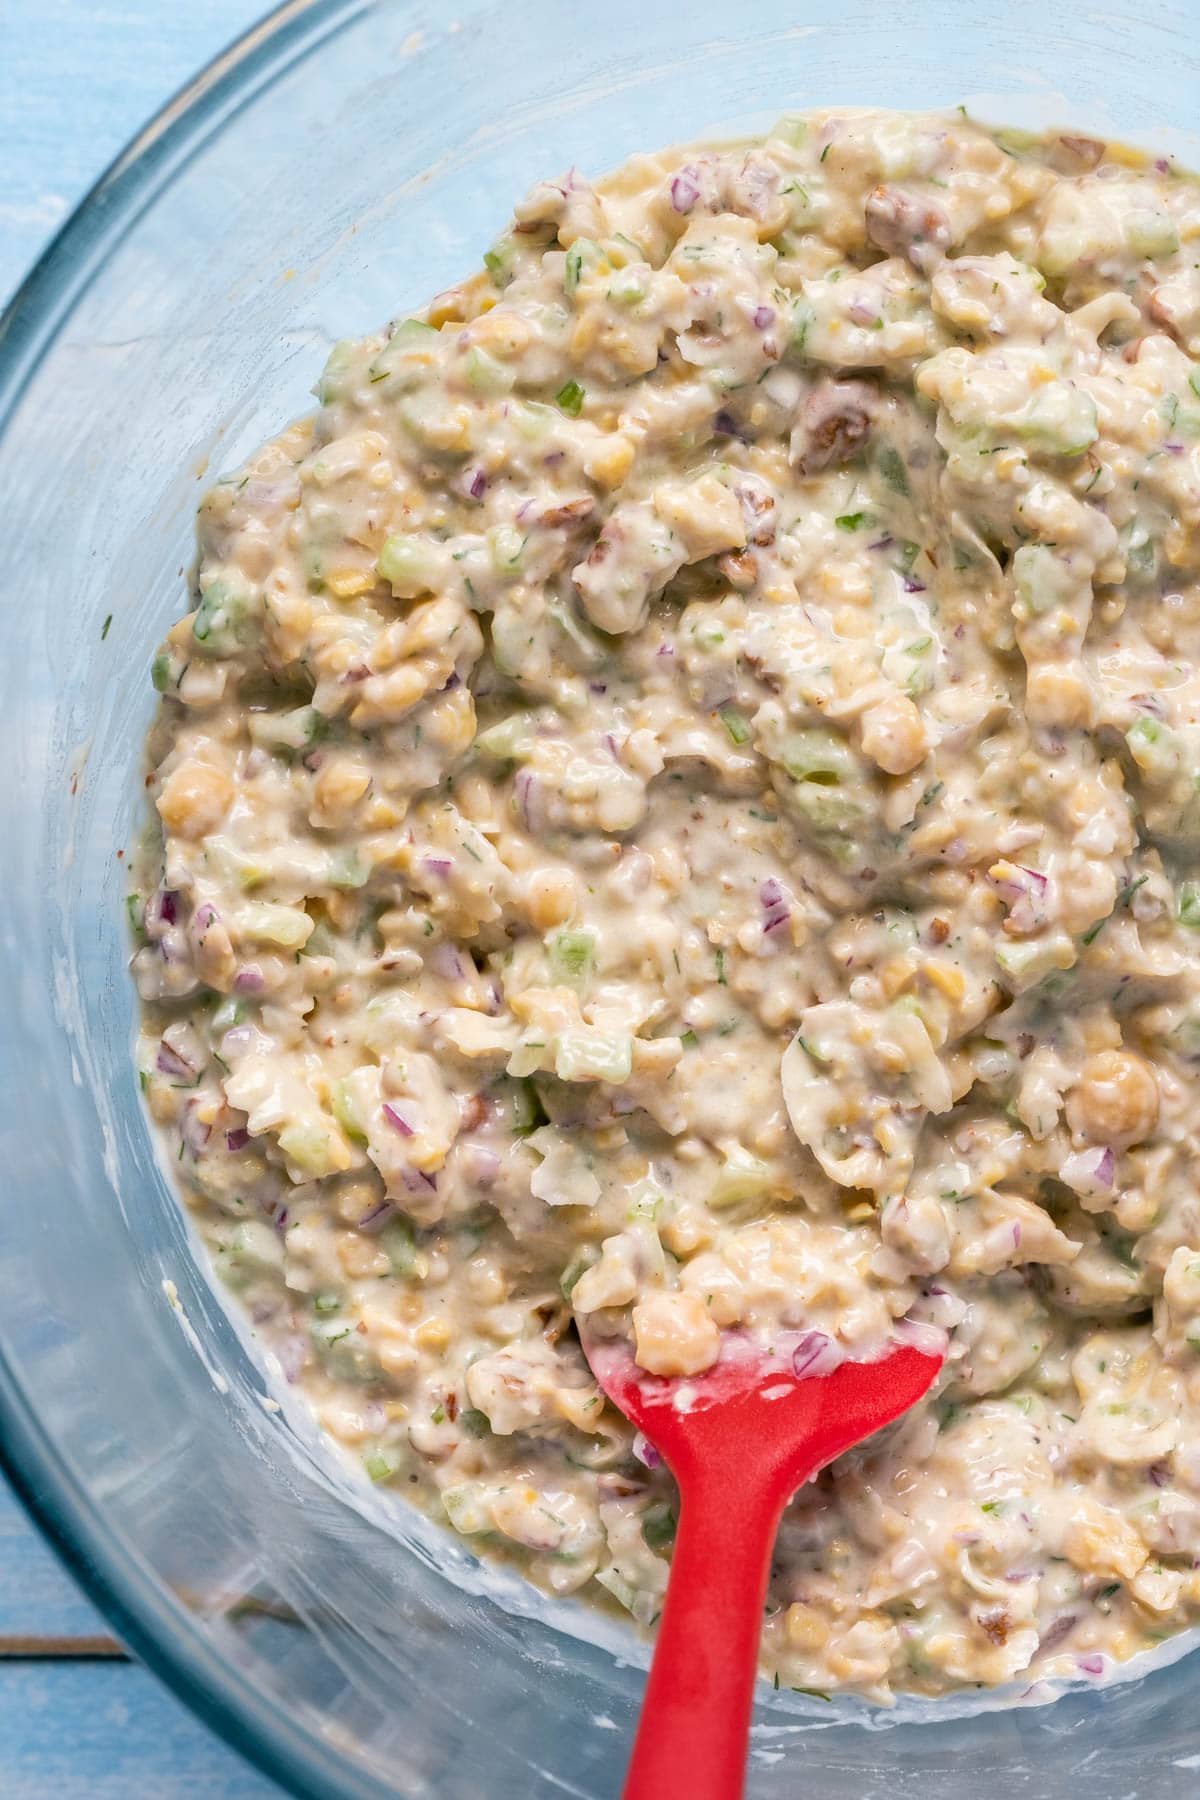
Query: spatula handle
[695, 1726]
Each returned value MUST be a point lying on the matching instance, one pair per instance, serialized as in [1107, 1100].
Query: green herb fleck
[570, 398]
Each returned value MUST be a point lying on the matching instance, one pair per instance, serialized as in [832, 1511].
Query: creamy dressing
[676, 805]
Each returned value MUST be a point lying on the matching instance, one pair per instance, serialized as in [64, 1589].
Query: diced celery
[659, 1525]
[263, 923]
[335, 376]
[327, 1303]
[164, 671]
[1022, 959]
[135, 905]
[586, 1054]
[525, 1109]
[321, 941]
[310, 1147]
[411, 565]
[1060, 419]
[231, 1012]
[1189, 905]
[399, 1245]
[347, 870]
[736, 725]
[1154, 747]
[620, 1589]
[486, 374]
[1042, 581]
[224, 620]
[382, 1464]
[1151, 233]
[345, 1111]
[579, 1264]
[891, 467]
[499, 260]
[505, 544]
[645, 1201]
[583, 254]
[465, 1508]
[573, 955]
[510, 741]
[820, 757]
[790, 128]
[532, 419]
[803, 318]
[627, 287]
[741, 1177]
[475, 1423]
[252, 1248]
[582, 639]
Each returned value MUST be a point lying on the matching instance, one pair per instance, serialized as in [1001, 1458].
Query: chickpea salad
[677, 806]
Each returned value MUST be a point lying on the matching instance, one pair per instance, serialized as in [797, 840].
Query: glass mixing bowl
[342, 163]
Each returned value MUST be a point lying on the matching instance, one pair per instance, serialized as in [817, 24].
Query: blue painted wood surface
[77, 79]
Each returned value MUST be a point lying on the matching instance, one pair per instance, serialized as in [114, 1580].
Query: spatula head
[752, 1413]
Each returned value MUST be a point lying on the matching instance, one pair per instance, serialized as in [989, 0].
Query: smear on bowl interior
[677, 802]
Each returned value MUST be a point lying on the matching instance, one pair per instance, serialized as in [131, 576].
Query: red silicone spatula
[739, 1440]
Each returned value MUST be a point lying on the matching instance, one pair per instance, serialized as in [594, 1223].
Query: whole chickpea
[1115, 1100]
[893, 735]
[195, 798]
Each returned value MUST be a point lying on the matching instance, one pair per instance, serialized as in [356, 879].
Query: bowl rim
[160, 1635]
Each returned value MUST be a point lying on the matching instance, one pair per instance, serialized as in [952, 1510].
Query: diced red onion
[447, 960]
[437, 865]
[237, 1040]
[685, 189]
[397, 1120]
[1054, 1634]
[776, 910]
[249, 980]
[531, 804]
[816, 1354]
[1159, 1474]
[665, 650]
[237, 1140]
[880, 543]
[476, 484]
[645, 1452]
[169, 1062]
[763, 316]
[931, 1340]
[481, 1165]
[280, 1220]
[912, 586]
[416, 1179]
[204, 916]
[862, 310]
[1086, 1171]
[194, 1131]
[1090, 1665]
[168, 906]
[292, 1353]
[377, 1218]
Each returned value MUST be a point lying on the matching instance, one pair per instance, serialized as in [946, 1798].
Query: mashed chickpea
[675, 805]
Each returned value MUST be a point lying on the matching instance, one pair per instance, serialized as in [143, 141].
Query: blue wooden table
[78, 1719]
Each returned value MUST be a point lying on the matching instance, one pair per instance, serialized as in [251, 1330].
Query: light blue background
[77, 79]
